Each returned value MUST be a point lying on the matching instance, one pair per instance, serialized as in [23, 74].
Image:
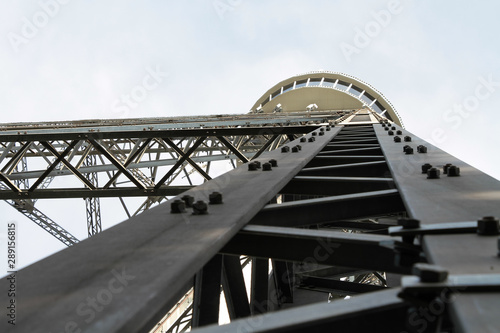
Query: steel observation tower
[333, 217]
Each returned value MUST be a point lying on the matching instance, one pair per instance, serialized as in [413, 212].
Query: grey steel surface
[451, 199]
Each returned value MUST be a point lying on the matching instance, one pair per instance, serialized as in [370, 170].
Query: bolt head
[274, 163]
[397, 139]
[430, 273]
[393, 128]
[285, 149]
[426, 167]
[312, 139]
[407, 138]
[200, 207]
[302, 139]
[453, 171]
[488, 226]
[252, 166]
[321, 133]
[215, 198]
[314, 133]
[390, 133]
[386, 128]
[257, 163]
[422, 149]
[178, 206]
[433, 173]
[266, 167]
[445, 167]
[409, 150]
[299, 147]
[188, 200]
[399, 132]
[295, 149]
[409, 223]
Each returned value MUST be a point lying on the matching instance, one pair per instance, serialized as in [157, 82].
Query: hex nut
[274, 163]
[433, 173]
[409, 150]
[200, 207]
[453, 171]
[404, 147]
[178, 206]
[266, 167]
[397, 139]
[399, 132]
[285, 149]
[295, 149]
[215, 198]
[393, 128]
[407, 138]
[430, 273]
[252, 166]
[257, 163]
[314, 133]
[188, 200]
[303, 139]
[426, 167]
[390, 133]
[386, 128]
[445, 168]
[422, 149]
[299, 147]
[321, 133]
[488, 226]
[312, 139]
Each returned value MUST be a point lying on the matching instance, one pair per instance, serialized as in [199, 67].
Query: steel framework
[346, 221]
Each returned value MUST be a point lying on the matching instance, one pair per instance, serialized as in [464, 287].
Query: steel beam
[146, 256]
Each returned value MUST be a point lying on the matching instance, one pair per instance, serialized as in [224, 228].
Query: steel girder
[133, 252]
[128, 152]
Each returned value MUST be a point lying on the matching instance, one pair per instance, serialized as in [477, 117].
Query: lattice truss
[152, 159]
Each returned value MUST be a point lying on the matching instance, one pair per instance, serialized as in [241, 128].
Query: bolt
[399, 132]
[295, 149]
[215, 198]
[386, 128]
[252, 166]
[422, 149]
[303, 139]
[487, 226]
[407, 138]
[321, 129]
[397, 139]
[390, 133]
[328, 128]
[299, 147]
[200, 207]
[409, 223]
[312, 139]
[404, 148]
[321, 133]
[426, 167]
[178, 206]
[429, 273]
[274, 163]
[314, 133]
[433, 173]
[266, 167]
[393, 128]
[285, 149]
[445, 167]
[188, 200]
[498, 246]
[453, 171]
[408, 150]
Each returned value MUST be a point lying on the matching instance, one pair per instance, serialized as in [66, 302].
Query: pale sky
[437, 62]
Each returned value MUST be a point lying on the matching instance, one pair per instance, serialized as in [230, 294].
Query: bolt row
[199, 207]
